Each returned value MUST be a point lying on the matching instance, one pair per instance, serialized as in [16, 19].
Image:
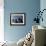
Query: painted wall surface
[30, 7]
[43, 6]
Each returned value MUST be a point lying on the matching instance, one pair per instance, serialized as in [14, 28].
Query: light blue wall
[30, 7]
[43, 6]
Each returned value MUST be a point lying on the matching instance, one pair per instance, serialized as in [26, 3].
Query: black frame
[18, 15]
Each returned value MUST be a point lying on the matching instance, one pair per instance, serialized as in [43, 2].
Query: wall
[43, 6]
[30, 7]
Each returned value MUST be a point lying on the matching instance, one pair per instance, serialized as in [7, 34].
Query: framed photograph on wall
[17, 19]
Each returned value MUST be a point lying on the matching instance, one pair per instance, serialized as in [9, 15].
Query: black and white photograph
[17, 19]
